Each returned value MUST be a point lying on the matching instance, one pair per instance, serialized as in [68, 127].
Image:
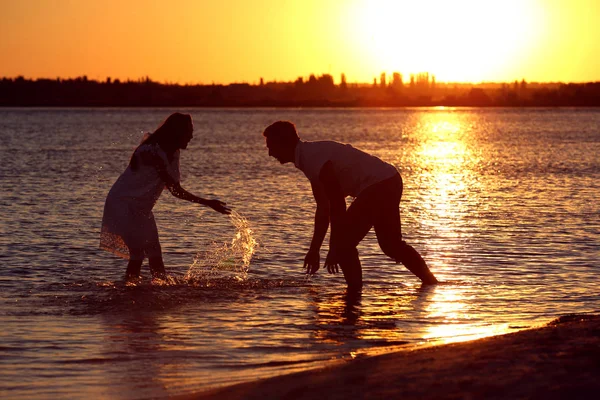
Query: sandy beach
[557, 361]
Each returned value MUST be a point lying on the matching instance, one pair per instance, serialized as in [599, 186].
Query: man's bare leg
[415, 264]
[350, 264]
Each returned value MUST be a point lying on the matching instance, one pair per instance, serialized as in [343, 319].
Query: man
[337, 170]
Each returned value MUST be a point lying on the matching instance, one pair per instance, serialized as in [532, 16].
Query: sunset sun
[464, 40]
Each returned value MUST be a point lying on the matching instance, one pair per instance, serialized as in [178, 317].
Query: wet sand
[558, 361]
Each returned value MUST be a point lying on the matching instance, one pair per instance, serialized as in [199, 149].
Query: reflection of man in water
[338, 170]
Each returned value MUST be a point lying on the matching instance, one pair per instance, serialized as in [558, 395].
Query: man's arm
[321, 219]
[337, 211]
[312, 259]
[335, 197]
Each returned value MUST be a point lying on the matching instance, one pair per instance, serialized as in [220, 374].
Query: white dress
[128, 226]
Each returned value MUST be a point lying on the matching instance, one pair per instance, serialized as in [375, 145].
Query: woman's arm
[179, 192]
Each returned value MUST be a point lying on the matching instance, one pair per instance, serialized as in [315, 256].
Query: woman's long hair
[166, 135]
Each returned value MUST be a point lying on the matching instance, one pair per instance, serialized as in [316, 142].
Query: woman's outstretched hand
[218, 206]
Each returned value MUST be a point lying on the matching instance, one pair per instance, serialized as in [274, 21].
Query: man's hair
[282, 131]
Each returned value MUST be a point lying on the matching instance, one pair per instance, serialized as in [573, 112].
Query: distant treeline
[321, 91]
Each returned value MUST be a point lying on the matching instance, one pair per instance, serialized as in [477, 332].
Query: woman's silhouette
[128, 226]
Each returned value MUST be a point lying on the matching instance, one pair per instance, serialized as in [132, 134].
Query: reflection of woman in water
[128, 226]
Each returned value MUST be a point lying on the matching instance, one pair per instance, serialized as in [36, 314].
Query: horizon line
[257, 83]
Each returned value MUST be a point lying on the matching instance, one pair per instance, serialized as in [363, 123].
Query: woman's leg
[157, 266]
[153, 249]
[134, 267]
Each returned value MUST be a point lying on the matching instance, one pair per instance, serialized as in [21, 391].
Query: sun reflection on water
[448, 303]
[451, 305]
[461, 332]
[448, 159]
[450, 167]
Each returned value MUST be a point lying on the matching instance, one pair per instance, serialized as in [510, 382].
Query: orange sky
[193, 41]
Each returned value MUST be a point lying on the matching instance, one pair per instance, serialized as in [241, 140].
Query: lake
[502, 204]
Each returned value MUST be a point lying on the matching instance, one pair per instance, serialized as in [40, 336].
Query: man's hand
[332, 263]
[312, 262]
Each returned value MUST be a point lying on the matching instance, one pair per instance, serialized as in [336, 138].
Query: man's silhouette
[337, 170]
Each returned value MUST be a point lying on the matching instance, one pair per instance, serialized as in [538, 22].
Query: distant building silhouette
[397, 81]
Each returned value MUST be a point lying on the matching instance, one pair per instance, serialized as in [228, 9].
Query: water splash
[225, 260]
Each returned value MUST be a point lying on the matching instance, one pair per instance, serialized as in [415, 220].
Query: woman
[128, 226]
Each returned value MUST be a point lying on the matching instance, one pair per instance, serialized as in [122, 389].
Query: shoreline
[555, 361]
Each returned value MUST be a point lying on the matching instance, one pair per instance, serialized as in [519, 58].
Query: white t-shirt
[354, 169]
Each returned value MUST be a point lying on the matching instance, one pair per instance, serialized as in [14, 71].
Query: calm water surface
[502, 203]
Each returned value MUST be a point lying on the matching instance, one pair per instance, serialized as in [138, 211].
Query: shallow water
[502, 203]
